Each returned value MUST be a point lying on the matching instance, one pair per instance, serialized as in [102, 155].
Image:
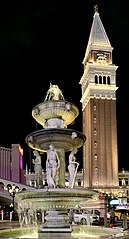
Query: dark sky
[45, 41]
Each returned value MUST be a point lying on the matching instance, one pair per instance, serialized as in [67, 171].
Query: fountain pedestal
[56, 221]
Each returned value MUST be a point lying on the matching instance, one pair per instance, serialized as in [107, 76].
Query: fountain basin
[78, 232]
[56, 203]
[65, 110]
[60, 138]
[56, 198]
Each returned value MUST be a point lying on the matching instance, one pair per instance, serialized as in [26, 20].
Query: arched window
[95, 156]
[96, 79]
[95, 132]
[94, 107]
[108, 80]
[96, 169]
[95, 144]
[79, 182]
[95, 119]
[100, 79]
[104, 80]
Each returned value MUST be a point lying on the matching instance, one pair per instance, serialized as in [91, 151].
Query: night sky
[45, 41]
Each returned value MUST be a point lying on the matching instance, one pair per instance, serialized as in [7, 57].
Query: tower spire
[98, 39]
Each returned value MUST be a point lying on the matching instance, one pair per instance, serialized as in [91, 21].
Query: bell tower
[98, 85]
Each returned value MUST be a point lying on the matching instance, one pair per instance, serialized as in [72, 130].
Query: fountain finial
[96, 8]
[54, 93]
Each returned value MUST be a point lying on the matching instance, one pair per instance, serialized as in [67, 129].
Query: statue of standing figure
[37, 163]
[72, 169]
[52, 167]
[38, 169]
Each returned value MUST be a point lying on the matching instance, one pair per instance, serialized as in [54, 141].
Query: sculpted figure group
[53, 166]
[54, 93]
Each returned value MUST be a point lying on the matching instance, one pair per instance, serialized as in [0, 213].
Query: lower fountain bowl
[55, 203]
[55, 198]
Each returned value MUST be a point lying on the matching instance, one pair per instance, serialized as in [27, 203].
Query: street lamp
[13, 190]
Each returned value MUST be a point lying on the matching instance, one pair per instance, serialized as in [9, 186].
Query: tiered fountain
[55, 114]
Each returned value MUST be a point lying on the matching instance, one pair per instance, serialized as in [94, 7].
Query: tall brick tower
[98, 83]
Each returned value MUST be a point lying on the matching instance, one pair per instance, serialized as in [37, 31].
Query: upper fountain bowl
[61, 110]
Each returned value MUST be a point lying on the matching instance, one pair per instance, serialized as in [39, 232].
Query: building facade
[31, 179]
[11, 164]
[98, 84]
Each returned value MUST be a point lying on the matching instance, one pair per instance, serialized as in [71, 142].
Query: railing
[21, 186]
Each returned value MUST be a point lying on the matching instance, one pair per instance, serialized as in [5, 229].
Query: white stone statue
[71, 168]
[54, 93]
[52, 167]
[37, 163]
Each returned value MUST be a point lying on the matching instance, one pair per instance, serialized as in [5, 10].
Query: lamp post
[13, 190]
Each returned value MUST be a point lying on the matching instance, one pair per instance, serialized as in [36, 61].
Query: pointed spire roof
[98, 38]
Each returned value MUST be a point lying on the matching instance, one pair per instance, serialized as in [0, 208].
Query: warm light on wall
[21, 156]
[20, 149]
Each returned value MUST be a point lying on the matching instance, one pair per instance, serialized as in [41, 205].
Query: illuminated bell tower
[98, 83]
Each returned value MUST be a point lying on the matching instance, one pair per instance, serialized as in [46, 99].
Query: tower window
[100, 79]
[108, 80]
[104, 80]
[95, 156]
[94, 107]
[96, 79]
[95, 144]
[95, 119]
[95, 132]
